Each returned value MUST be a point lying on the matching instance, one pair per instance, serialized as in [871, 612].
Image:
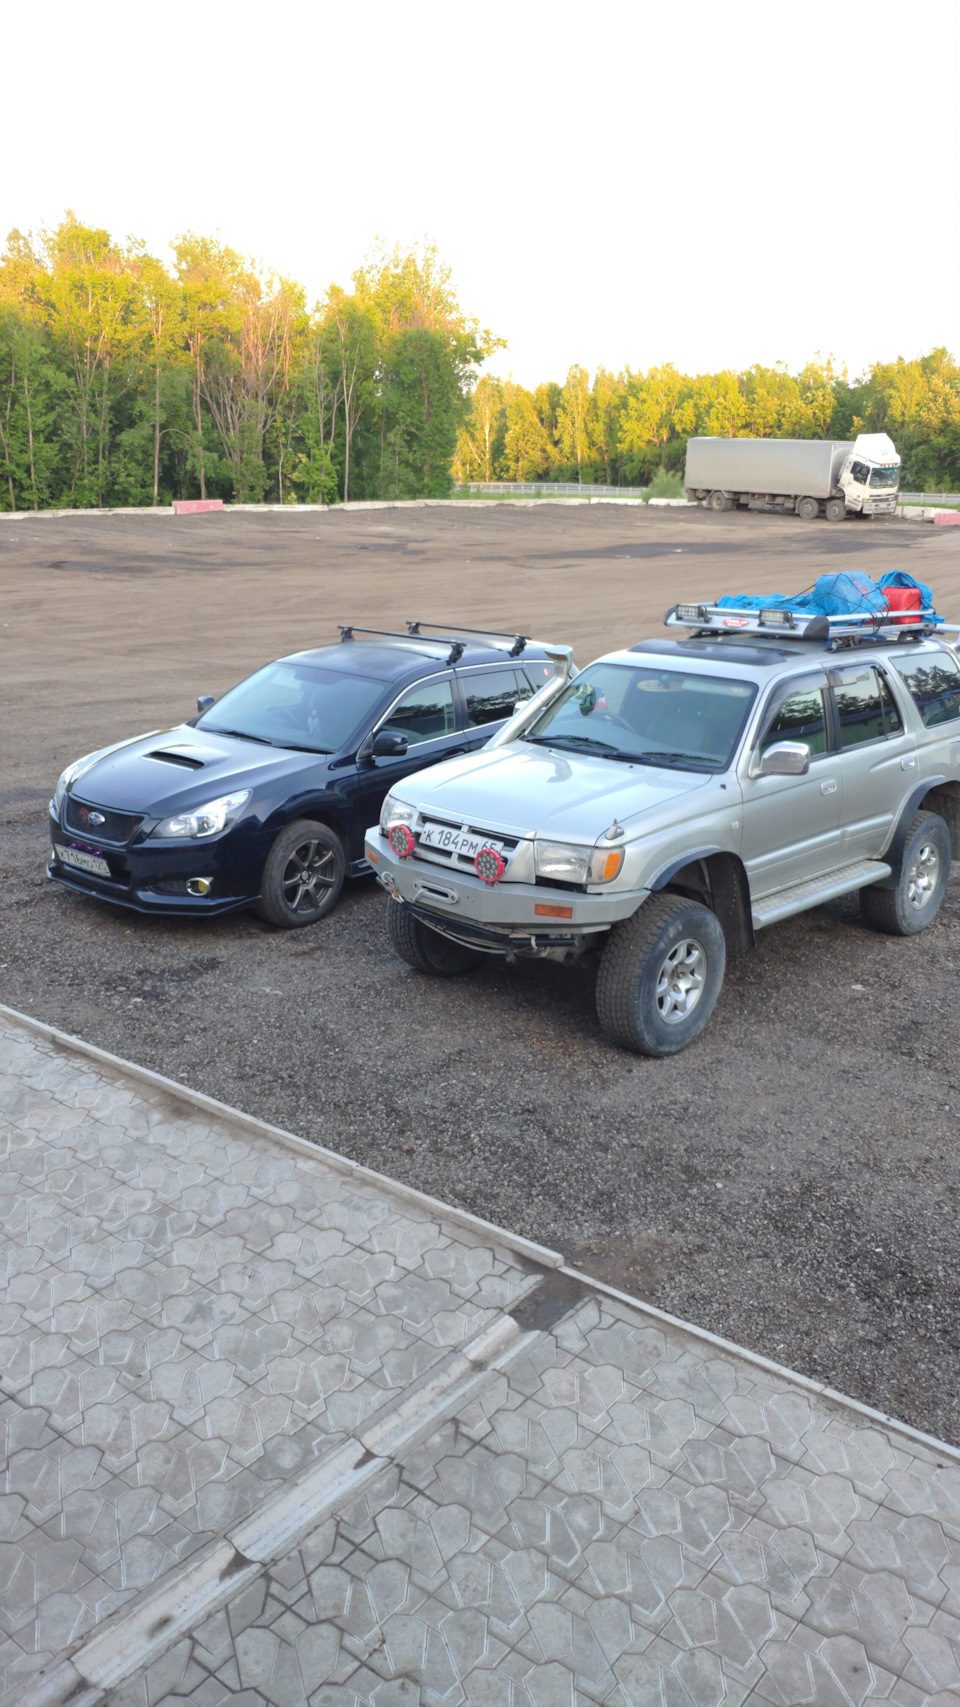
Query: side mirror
[388, 746]
[204, 703]
[786, 758]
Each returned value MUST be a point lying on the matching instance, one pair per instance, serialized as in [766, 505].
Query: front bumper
[139, 870]
[498, 916]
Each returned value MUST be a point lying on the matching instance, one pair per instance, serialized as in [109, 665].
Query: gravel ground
[789, 1182]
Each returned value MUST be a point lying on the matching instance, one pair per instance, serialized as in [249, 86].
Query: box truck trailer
[810, 477]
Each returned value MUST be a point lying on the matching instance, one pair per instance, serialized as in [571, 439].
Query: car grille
[117, 827]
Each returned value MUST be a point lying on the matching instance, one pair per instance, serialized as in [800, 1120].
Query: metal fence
[928, 497]
[548, 489]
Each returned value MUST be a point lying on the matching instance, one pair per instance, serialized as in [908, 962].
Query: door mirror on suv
[204, 703]
[786, 758]
[386, 746]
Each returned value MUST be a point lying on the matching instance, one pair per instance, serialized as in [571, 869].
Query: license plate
[83, 859]
[447, 840]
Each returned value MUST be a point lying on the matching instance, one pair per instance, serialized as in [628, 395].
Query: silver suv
[674, 798]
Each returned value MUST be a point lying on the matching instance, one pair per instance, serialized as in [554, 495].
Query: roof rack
[832, 631]
[348, 631]
[519, 640]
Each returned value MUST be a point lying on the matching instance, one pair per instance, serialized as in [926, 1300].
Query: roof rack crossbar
[519, 640]
[348, 631]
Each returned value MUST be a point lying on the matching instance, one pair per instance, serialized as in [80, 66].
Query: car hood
[175, 769]
[524, 790]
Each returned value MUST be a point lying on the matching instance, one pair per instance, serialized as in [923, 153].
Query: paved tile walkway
[437, 1471]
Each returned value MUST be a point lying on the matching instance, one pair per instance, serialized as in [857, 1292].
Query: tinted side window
[423, 714]
[491, 695]
[934, 683]
[802, 717]
[858, 707]
[538, 671]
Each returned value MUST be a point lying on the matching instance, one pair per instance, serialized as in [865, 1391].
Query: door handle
[830, 786]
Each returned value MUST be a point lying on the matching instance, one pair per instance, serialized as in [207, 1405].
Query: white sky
[704, 183]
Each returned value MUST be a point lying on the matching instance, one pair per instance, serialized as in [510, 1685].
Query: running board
[816, 890]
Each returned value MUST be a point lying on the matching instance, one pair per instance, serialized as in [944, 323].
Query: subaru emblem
[96, 818]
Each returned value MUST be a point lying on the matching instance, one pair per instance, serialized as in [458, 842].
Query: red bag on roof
[903, 598]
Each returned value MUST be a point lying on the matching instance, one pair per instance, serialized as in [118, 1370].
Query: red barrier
[947, 519]
[196, 506]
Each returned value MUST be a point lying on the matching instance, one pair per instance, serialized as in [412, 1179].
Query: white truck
[808, 477]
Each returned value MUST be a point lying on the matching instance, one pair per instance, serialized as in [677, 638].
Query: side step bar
[785, 902]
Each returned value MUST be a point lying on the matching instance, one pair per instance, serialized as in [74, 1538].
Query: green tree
[481, 435]
[423, 406]
[527, 451]
[573, 419]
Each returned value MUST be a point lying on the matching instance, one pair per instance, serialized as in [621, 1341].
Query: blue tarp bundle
[846, 594]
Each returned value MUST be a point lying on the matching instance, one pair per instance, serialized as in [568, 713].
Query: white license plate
[447, 840]
[92, 862]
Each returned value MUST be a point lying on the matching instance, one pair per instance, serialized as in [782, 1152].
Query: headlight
[65, 779]
[394, 812]
[577, 865]
[206, 820]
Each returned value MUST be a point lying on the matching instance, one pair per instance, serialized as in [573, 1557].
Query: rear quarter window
[934, 684]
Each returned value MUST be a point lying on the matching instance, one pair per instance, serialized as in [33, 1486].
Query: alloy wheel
[680, 981]
[923, 875]
[310, 870]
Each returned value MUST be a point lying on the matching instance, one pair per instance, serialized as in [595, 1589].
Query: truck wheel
[718, 501]
[660, 975]
[808, 509]
[426, 950]
[915, 902]
[835, 510]
[303, 875]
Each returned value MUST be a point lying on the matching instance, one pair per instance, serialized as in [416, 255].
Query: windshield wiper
[241, 734]
[292, 747]
[571, 740]
[676, 759]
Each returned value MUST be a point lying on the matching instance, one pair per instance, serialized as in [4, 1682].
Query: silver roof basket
[802, 625]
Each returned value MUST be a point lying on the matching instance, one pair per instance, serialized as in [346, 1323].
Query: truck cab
[870, 478]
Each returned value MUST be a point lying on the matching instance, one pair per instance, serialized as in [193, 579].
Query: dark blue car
[263, 799]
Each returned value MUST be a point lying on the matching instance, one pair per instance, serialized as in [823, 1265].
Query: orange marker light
[552, 912]
[612, 865]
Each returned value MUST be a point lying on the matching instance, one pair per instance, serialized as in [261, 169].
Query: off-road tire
[808, 509]
[835, 510]
[278, 888]
[926, 858]
[632, 961]
[426, 950]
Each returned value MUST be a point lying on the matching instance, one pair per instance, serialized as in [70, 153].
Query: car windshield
[648, 715]
[296, 705]
[885, 477]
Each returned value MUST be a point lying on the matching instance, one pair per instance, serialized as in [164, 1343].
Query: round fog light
[401, 840]
[489, 866]
[199, 885]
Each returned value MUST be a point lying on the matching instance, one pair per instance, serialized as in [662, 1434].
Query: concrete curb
[538, 1254]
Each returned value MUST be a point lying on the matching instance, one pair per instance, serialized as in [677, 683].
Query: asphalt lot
[789, 1182]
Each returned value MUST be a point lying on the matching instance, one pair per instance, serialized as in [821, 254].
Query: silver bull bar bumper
[499, 918]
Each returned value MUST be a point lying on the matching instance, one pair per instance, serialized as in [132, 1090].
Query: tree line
[624, 428]
[128, 381]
